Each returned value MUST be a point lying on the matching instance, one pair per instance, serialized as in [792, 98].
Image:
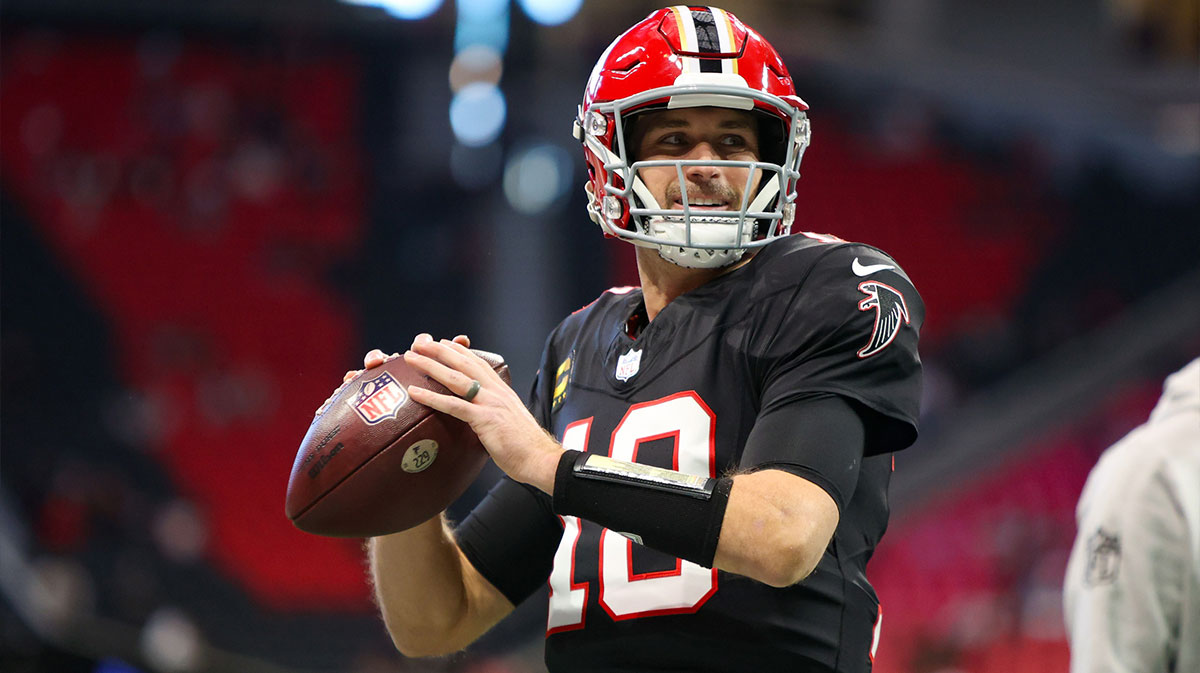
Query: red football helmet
[681, 57]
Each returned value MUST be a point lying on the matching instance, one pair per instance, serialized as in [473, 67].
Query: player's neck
[662, 281]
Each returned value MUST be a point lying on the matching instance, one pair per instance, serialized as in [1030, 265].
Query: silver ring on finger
[472, 391]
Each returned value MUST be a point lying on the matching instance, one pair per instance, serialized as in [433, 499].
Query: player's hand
[376, 357]
[496, 413]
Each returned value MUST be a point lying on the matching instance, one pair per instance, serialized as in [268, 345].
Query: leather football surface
[374, 461]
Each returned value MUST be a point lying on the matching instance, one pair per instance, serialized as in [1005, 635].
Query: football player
[701, 471]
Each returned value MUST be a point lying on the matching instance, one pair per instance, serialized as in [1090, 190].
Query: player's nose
[702, 151]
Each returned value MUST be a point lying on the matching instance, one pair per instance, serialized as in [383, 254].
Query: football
[375, 462]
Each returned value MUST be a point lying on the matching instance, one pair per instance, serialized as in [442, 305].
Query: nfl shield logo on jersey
[628, 365]
[378, 399]
[1104, 558]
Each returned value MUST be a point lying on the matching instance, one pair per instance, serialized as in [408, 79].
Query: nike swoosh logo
[860, 270]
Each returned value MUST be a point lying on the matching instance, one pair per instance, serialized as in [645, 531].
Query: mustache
[705, 192]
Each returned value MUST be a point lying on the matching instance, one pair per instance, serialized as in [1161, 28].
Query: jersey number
[623, 593]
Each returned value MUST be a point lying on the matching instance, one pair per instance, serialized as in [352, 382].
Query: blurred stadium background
[211, 208]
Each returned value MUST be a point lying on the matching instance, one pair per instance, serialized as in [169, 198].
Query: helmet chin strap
[764, 197]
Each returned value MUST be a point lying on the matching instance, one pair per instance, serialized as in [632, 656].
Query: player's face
[701, 134]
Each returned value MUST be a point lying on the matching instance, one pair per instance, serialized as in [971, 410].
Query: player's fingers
[456, 381]
[458, 358]
[449, 404]
[465, 360]
[373, 358]
[423, 337]
[463, 339]
[351, 374]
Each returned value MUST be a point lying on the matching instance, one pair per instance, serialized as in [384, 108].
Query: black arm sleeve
[820, 438]
[510, 538]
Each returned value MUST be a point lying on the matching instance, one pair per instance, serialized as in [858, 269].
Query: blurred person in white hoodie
[1132, 590]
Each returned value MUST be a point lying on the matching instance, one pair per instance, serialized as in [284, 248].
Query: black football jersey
[808, 315]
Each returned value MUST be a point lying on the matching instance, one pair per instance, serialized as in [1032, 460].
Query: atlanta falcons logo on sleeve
[890, 313]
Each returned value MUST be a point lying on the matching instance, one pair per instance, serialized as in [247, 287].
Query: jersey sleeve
[849, 325]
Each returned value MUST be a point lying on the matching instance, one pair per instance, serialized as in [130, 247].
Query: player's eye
[733, 140]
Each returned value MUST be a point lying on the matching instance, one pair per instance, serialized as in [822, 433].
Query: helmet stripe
[725, 35]
[687, 37]
[708, 38]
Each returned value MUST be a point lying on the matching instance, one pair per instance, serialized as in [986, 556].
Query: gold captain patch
[562, 378]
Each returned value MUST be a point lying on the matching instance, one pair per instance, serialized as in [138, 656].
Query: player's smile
[716, 197]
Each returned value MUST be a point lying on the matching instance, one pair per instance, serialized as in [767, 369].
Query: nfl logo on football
[378, 399]
[628, 365]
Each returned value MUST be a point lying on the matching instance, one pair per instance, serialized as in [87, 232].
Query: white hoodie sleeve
[1132, 590]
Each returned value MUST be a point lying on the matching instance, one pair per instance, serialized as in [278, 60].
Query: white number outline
[576, 437]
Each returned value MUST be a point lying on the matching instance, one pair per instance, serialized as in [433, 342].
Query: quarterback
[700, 473]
